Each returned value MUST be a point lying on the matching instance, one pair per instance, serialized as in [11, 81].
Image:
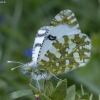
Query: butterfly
[58, 48]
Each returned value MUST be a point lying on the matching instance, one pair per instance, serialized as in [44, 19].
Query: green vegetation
[60, 92]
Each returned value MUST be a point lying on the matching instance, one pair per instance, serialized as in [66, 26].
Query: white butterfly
[58, 48]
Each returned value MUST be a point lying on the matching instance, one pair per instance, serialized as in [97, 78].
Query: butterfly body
[35, 71]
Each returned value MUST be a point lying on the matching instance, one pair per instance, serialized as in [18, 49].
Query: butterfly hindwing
[67, 53]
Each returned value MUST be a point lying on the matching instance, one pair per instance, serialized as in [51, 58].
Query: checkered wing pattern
[67, 53]
[64, 23]
[64, 47]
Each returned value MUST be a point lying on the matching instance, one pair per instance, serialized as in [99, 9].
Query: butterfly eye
[28, 68]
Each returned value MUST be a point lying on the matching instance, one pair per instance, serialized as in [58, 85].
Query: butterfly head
[32, 69]
[26, 68]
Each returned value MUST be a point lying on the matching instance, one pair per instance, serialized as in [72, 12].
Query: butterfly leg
[31, 80]
[55, 76]
[37, 85]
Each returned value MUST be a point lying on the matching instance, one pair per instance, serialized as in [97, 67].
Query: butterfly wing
[63, 23]
[64, 47]
[38, 42]
[67, 53]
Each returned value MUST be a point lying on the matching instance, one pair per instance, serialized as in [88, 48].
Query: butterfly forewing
[38, 42]
[63, 23]
[65, 17]
[66, 53]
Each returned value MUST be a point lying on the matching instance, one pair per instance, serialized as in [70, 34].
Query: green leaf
[77, 96]
[99, 96]
[41, 95]
[17, 94]
[48, 88]
[60, 91]
[70, 93]
[82, 89]
[91, 97]
[85, 96]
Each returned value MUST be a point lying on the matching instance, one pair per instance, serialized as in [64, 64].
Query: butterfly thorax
[35, 71]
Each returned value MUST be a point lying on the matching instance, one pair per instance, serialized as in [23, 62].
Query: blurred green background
[19, 23]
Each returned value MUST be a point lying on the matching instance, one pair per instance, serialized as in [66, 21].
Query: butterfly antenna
[15, 67]
[15, 62]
